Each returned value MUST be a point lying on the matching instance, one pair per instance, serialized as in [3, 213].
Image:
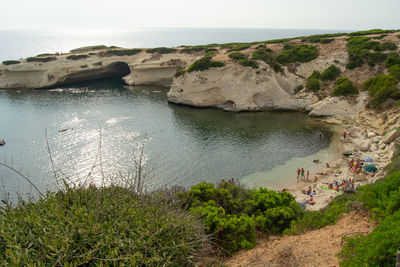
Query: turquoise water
[184, 145]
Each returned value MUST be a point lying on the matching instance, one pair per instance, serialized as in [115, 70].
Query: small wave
[113, 121]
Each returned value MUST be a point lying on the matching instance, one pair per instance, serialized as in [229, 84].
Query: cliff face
[139, 69]
[237, 88]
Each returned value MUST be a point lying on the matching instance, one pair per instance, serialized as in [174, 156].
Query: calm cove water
[184, 145]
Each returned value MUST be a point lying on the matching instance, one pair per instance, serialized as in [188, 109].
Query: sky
[295, 14]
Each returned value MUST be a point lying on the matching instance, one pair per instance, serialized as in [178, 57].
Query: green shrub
[205, 63]
[233, 213]
[344, 86]
[395, 71]
[239, 47]
[359, 52]
[267, 56]
[123, 52]
[297, 53]
[313, 81]
[385, 46]
[330, 73]
[381, 88]
[76, 57]
[380, 36]
[379, 248]
[373, 31]
[44, 55]
[310, 220]
[11, 62]
[97, 227]
[89, 48]
[313, 84]
[248, 63]
[318, 40]
[392, 59]
[299, 88]
[40, 59]
[238, 56]
[161, 50]
[180, 72]
[279, 41]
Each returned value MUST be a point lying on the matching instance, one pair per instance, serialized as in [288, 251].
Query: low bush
[297, 53]
[11, 62]
[330, 73]
[310, 220]
[313, 81]
[205, 63]
[344, 86]
[180, 72]
[89, 48]
[395, 71]
[248, 63]
[373, 31]
[233, 213]
[239, 47]
[279, 41]
[40, 59]
[385, 46]
[359, 52]
[392, 59]
[97, 227]
[76, 57]
[238, 56]
[267, 56]
[161, 50]
[380, 247]
[381, 88]
[45, 55]
[123, 52]
[318, 40]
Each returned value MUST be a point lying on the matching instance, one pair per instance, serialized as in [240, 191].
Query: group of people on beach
[301, 174]
[356, 165]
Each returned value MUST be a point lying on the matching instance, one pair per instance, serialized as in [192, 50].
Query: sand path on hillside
[314, 248]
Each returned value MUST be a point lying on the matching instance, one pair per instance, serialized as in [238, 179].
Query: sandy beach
[339, 166]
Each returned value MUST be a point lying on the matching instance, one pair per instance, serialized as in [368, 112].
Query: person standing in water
[298, 174]
[308, 174]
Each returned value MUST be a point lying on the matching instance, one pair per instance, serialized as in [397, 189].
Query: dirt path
[314, 248]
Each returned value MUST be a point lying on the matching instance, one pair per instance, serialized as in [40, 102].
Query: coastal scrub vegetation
[313, 81]
[237, 56]
[161, 50]
[40, 59]
[99, 226]
[233, 214]
[11, 62]
[76, 57]
[123, 52]
[373, 31]
[331, 73]
[248, 63]
[381, 88]
[359, 50]
[344, 86]
[297, 53]
[205, 63]
[89, 48]
[265, 54]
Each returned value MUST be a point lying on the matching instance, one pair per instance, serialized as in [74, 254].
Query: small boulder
[382, 146]
[391, 136]
[374, 147]
[371, 134]
[360, 177]
[364, 146]
[376, 139]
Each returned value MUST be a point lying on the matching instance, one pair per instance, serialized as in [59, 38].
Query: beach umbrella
[370, 168]
[368, 159]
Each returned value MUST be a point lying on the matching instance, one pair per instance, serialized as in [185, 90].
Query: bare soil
[314, 248]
